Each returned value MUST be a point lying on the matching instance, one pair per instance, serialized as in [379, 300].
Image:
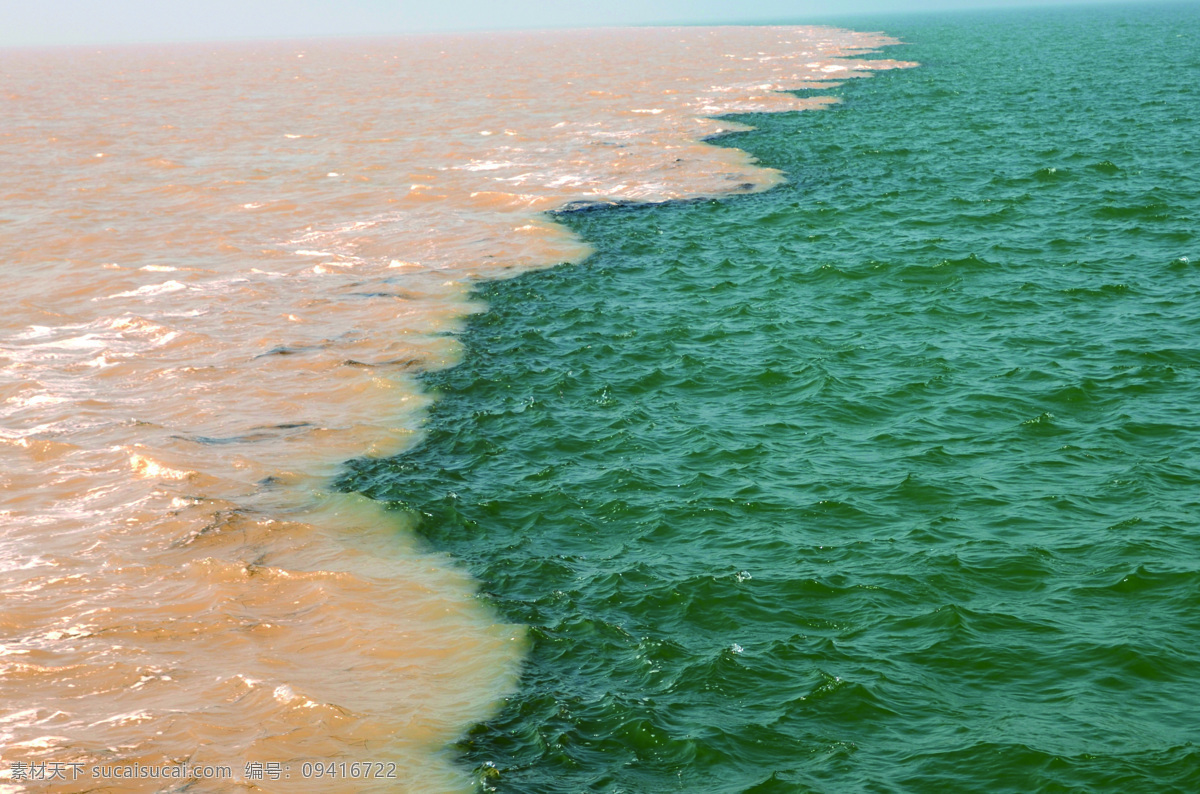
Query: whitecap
[151, 289]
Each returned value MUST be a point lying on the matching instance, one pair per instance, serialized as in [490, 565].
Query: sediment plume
[224, 267]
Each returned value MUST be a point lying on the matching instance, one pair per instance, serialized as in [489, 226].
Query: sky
[52, 22]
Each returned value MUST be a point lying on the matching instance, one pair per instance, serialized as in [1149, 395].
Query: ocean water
[223, 267]
[886, 479]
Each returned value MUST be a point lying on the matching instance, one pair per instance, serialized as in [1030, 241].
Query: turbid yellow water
[223, 267]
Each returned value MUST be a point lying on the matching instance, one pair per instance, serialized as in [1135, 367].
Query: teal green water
[886, 480]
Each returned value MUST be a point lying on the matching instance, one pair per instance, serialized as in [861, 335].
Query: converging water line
[222, 286]
[881, 479]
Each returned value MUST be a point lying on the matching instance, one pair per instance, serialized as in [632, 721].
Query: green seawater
[886, 480]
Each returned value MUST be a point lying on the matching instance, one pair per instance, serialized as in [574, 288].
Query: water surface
[222, 268]
[884, 480]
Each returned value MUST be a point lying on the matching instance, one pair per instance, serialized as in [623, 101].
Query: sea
[746, 409]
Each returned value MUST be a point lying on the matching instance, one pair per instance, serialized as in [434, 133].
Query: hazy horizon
[75, 22]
